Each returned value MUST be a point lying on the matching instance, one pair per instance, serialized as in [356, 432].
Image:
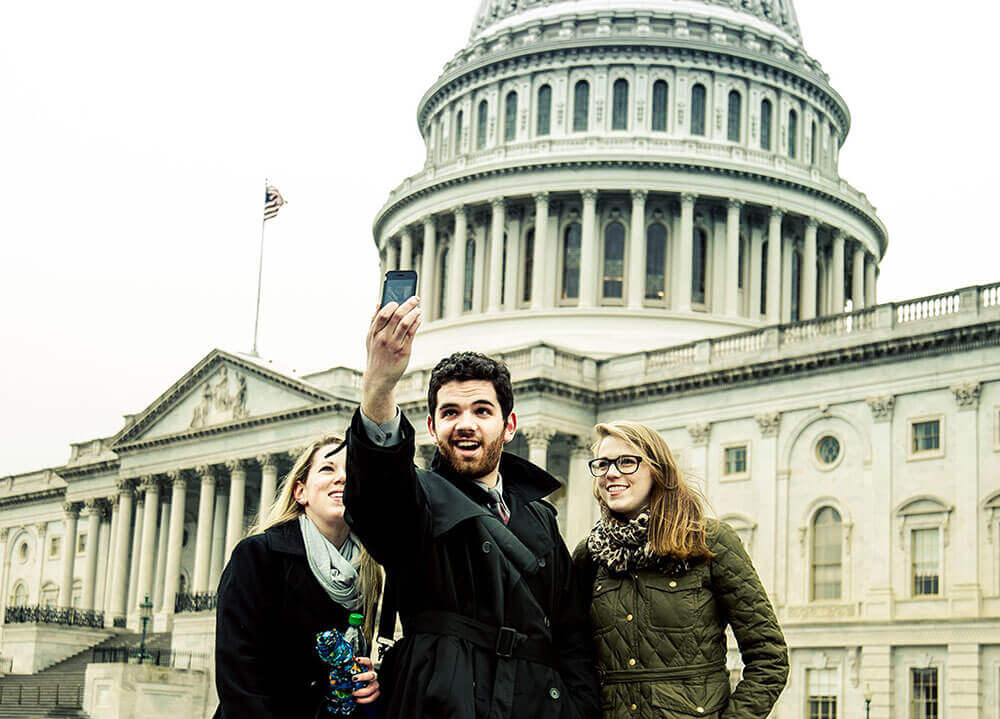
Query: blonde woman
[299, 572]
[666, 583]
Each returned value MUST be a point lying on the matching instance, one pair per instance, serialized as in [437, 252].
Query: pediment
[223, 390]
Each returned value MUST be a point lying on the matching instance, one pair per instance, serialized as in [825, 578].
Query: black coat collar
[286, 538]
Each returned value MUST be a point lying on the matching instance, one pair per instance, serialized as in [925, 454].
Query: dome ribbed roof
[780, 14]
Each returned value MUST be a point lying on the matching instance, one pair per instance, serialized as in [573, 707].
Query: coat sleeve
[739, 592]
[386, 506]
[243, 662]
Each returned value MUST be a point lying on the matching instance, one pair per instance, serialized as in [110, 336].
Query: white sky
[135, 139]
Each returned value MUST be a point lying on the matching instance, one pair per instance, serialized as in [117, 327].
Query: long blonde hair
[676, 508]
[284, 509]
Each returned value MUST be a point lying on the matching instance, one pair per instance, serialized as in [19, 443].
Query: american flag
[272, 202]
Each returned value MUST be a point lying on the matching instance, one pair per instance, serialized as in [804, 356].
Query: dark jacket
[661, 643]
[270, 608]
[447, 555]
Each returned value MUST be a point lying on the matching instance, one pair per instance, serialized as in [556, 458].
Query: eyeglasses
[626, 464]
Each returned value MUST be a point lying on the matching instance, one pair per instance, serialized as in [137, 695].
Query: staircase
[57, 692]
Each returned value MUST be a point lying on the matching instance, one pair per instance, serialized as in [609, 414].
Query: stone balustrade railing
[36, 614]
[197, 602]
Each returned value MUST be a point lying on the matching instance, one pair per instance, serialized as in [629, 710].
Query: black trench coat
[270, 609]
[445, 552]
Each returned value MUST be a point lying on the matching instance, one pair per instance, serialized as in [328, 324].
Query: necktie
[498, 506]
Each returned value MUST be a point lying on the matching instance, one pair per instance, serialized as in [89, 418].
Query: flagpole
[260, 275]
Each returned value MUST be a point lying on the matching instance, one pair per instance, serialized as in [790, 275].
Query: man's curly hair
[465, 366]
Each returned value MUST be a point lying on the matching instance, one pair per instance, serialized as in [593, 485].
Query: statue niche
[223, 399]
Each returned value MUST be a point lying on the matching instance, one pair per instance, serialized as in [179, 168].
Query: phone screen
[399, 286]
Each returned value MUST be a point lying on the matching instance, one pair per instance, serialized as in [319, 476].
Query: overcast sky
[135, 139]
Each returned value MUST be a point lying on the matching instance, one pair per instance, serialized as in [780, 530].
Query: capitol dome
[619, 175]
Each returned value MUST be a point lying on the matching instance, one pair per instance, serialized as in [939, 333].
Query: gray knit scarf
[337, 571]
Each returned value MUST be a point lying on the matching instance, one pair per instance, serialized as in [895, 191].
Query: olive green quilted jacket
[661, 644]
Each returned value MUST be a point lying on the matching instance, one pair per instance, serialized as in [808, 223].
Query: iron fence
[37, 614]
[57, 695]
[153, 657]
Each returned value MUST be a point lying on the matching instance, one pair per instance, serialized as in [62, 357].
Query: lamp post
[145, 614]
[868, 700]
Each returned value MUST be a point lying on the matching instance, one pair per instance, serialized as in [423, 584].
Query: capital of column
[589, 194]
[966, 394]
[124, 485]
[538, 436]
[71, 509]
[294, 453]
[734, 204]
[498, 203]
[148, 482]
[777, 213]
[541, 197]
[579, 446]
[639, 195]
[40, 528]
[4, 531]
[267, 461]
[428, 224]
[812, 223]
[688, 198]
[93, 505]
[881, 407]
[236, 465]
[177, 478]
[769, 423]
[206, 472]
[699, 432]
[839, 236]
[460, 211]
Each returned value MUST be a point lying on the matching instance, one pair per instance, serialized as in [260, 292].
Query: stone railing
[35, 614]
[198, 602]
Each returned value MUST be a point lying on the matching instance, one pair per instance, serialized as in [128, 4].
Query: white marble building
[635, 203]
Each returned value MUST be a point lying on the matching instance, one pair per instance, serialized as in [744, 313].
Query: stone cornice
[106, 465]
[39, 496]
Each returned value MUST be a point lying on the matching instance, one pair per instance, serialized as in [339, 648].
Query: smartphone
[399, 286]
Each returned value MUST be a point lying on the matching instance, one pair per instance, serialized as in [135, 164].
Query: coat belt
[506, 642]
[625, 676]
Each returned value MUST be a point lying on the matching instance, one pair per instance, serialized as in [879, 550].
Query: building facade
[636, 204]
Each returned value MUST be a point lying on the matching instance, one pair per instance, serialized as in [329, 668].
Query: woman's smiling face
[625, 494]
[322, 495]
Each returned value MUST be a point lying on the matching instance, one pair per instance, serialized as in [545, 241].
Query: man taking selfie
[494, 622]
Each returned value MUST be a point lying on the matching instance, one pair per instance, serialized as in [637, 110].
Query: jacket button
[673, 583]
[487, 547]
[546, 622]
[631, 662]
[554, 693]
[633, 707]
[314, 683]
[597, 588]
[541, 561]
[628, 618]
[700, 710]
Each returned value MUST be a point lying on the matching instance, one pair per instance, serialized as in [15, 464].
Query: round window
[828, 449]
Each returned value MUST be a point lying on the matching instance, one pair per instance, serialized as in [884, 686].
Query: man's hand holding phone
[389, 344]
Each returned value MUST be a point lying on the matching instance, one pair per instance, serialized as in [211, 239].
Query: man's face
[469, 428]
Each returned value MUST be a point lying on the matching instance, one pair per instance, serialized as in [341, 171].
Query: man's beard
[473, 469]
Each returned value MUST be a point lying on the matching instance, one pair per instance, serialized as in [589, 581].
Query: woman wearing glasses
[666, 583]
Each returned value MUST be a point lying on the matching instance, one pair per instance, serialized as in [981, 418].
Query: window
[735, 111]
[55, 547]
[619, 105]
[19, 597]
[49, 595]
[443, 283]
[529, 259]
[828, 449]
[543, 123]
[763, 277]
[571, 262]
[826, 545]
[458, 132]
[76, 594]
[926, 561]
[821, 685]
[470, 275]
[581, 105]
[81, 543]
[736, 460]
[481, 120]
[698, 109]
[926, 436]
[510, 117]
[699, 273]
[765, 125]
[796, 285]
[924, 693]
[659, 106]
[22, 552]
[812, 144]
[614, 261]
[793, 133]
[656, 262]
[503, 269]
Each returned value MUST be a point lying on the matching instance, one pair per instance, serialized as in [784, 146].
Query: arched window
[735, 115]
[619, 105]
[481, 120]
[763, 278]
[614, 261]
[470, 274]
[458, 132]
[833, 145]
[699, 269]
[544, 110]
[659, 106]
[656, 262]
[793, 133]
[442, 282]
[812, 144]
[826, 547]
[742, 263]
[571, 262]
[581, 105]
[529, 263]
[698, 109]
[796, 284]
[510, 117]
[19, 597]
[503, 269]
[765, 125]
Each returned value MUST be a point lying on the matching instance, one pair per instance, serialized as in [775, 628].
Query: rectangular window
[736, 460]
[927, 436]
[81, 543]
[924, 693]
[926, 562]
[821, 685]
[55, 546]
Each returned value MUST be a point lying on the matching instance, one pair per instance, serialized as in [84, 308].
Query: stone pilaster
[807, 275]
[681, 280]
[406, 249]
[878, 597]
[589, 250]
[72, 514]
[498, 224]
[858, 278]
[456, 266]
[637, 251]
[428, 259]
[964, 594]
[837, 274]
[732, 283]
[539, 298]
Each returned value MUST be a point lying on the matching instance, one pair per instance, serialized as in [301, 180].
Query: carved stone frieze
[769, 423]
[966, 394]
[223, 399]
[881, 407]
[822, 611]
[699, 432]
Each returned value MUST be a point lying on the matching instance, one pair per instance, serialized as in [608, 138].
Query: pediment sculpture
[223, 399]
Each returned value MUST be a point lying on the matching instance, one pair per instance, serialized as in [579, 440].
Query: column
[72, 510]
[858, 278]
[161, 554]
[637, 252]
[589, 250]
[512, 273]
[479, 279]
[685, 250]
[268, 482]
[109, 580]
[406, 250]
[967, 541]
[787, 248]
[219, 535]
[732, 285]
[133, 569]
[104, 548]
[175, 540]
[766, 462]
[43, 532]
[427, 257]
[538, 444]
[579, 493]
[870, 300]
[774, 266]
[456, 267]
[540, 299]
[837, 274]
[148, 552]
[206, 505]
[754, 286]
[237, 497]
[807, 276]
[92, 509]
[391, 255]
[877, 670]
[498, 221]
[876, 523]
[123, 545]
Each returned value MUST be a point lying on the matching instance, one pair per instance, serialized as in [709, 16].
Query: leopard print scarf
[623, 546]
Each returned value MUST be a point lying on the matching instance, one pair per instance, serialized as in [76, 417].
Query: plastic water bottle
[356, 638]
